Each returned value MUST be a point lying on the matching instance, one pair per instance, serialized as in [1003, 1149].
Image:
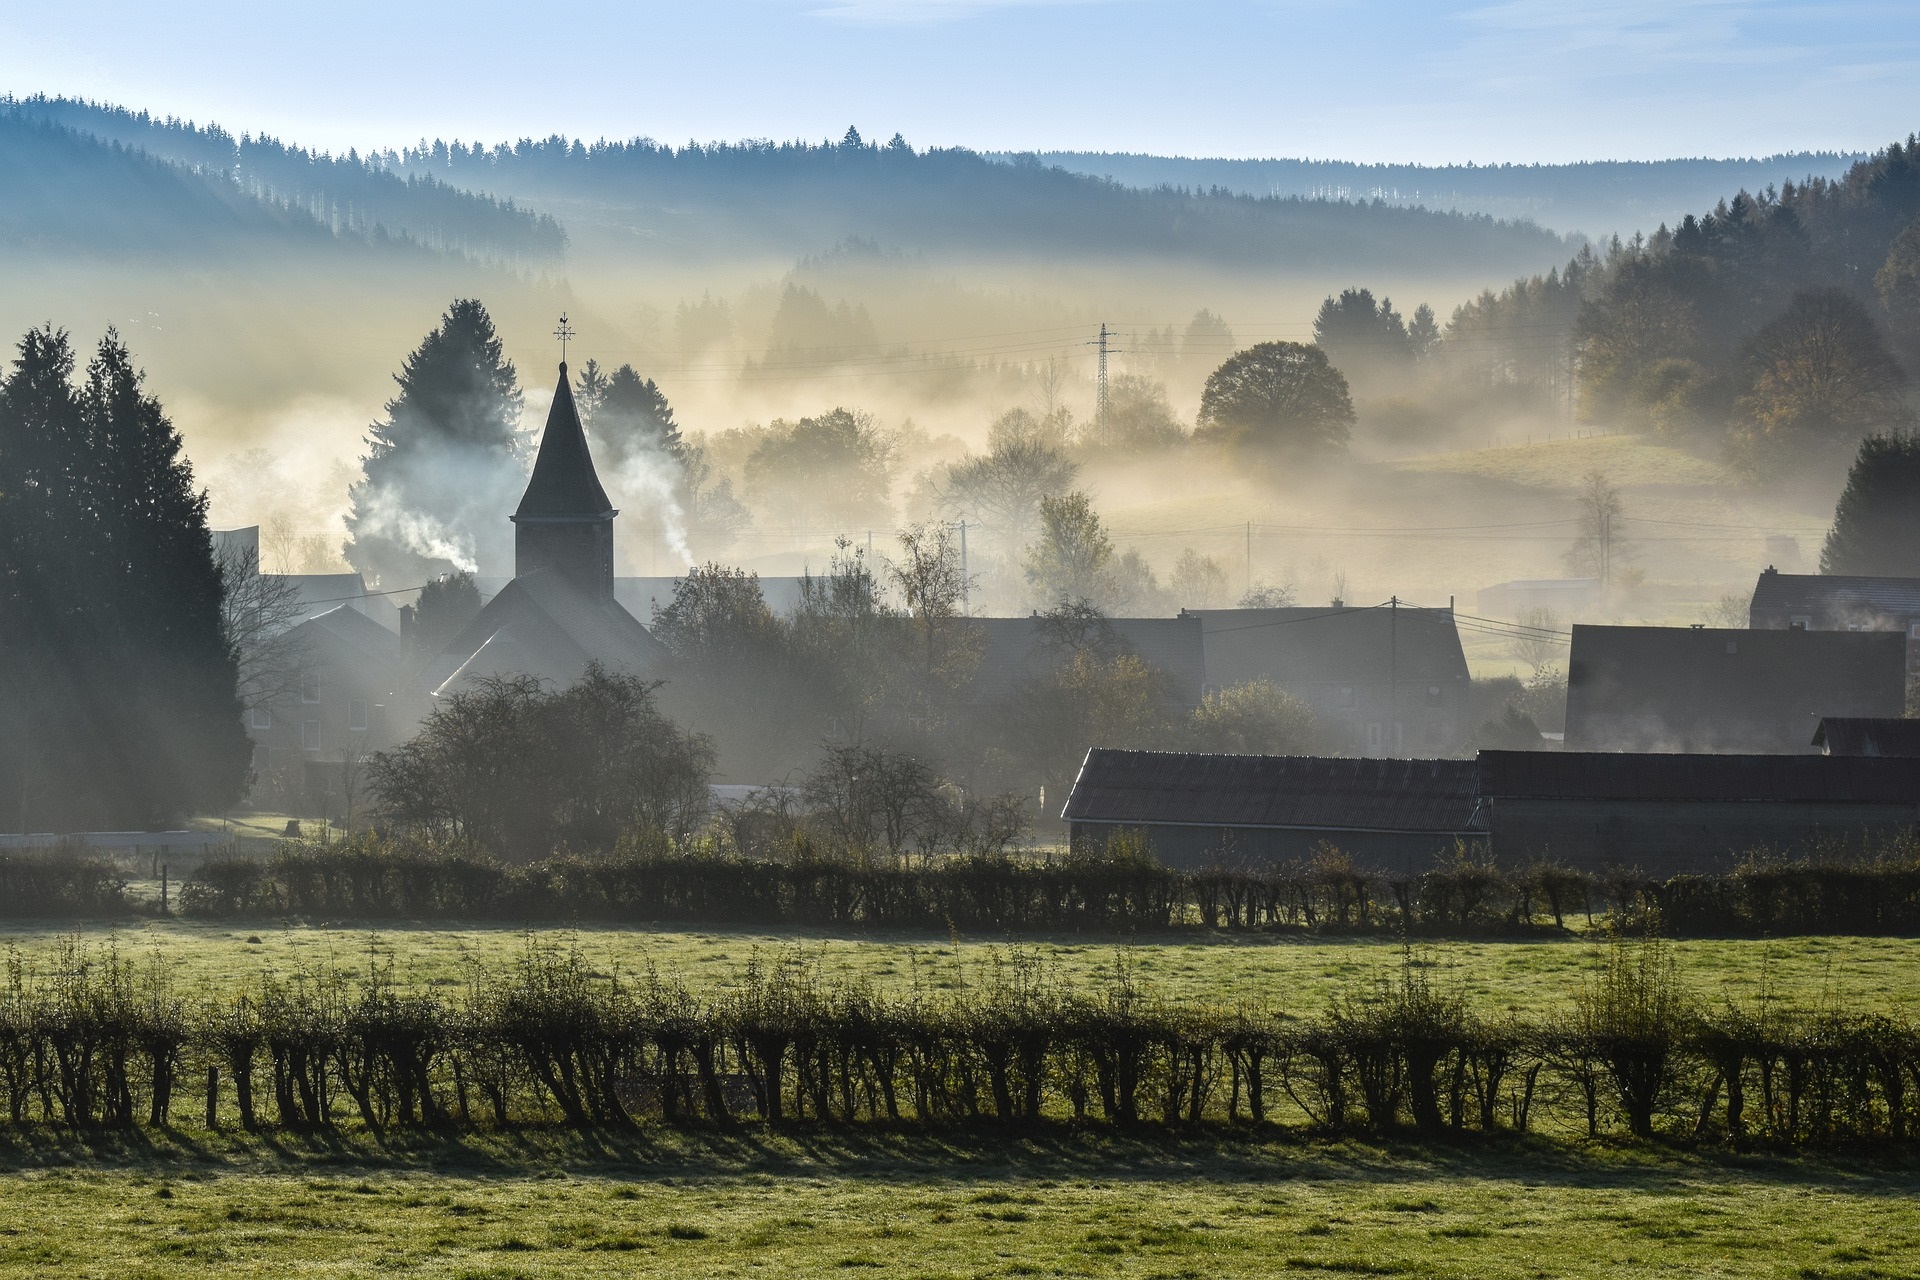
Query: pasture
[823, 1203]
[1287, 971]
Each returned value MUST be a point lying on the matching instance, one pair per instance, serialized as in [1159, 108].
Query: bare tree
[934, 586]
[259, 613]
[1600, 549]
[1537, 641]
[281, 542]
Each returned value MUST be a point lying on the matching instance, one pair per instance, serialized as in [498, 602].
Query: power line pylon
[1101, 344]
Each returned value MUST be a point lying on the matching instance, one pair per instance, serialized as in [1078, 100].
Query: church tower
[565, 523]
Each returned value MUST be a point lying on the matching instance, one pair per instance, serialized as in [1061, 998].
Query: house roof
[1710, 689]
[1017, 651]
[1862, 736]
[564, 484]
[542, 624]
[1834, 595]
[1600, 775]
[1300, 647]
[365, 636]
[1158, 788]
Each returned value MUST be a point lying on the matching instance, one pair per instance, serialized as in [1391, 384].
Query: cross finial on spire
[564, 332]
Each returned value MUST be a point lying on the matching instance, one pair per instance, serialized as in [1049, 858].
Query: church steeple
[565, 522]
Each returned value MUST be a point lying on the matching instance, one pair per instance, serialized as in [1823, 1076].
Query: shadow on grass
[982, 1154]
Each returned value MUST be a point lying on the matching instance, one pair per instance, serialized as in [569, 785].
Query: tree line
[94, 1041]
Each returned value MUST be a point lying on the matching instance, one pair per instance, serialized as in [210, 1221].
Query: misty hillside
[66, 157]
[796, 197]
[1595, 197]
[64, 190]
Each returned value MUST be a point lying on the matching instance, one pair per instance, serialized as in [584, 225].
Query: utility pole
[966, 581]
[1102, 344]
[1393, 673]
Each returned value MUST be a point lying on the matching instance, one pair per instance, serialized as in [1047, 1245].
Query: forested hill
[1597, 197]
[801, 197]
[71, 170]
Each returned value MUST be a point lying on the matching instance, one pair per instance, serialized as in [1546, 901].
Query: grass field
[1065, 1204]
[1864, 973]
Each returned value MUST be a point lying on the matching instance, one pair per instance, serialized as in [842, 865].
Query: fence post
[163, 888]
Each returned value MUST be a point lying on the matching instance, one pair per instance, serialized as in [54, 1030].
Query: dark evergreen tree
[1876, 525]
[444, 468]
[1366, 340]
[445, 606]
[627, 415]
[120, 685]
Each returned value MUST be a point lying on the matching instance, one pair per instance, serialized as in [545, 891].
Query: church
[558, 614]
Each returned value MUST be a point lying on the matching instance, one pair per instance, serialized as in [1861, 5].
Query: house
[1700, 689]
[350, 701]
[1017, 651]
[313, 593]
[1842, 736]
[559, 612]
[1385, 681]
[1837, 602]
[1681, 814]
[1195, 809]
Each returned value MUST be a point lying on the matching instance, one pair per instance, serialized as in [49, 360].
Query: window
[1800, 622]
[356, 715]
[309, 689]
[1913, 631]
[310, 735]
[1373, 736]
[1346, 699]
[260, 718]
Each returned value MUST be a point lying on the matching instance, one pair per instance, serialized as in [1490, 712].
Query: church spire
[565, 522]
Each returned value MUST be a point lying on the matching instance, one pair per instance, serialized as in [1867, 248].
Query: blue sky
[1390, 80]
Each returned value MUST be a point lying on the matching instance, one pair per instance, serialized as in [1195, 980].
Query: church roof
[564, 483]
[542, 624]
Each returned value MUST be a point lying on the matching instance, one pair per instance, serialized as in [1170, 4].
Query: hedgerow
[92, 1040]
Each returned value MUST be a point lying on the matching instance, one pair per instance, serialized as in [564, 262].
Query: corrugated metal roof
[1301, 647]
[1710, 689]
[1834, 594]
[1151, 788]
[1860, 736]
[1599, 775]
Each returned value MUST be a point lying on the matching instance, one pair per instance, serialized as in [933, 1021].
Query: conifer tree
[120, 693]
[629, 415]
[444, 468]
[1876, 525]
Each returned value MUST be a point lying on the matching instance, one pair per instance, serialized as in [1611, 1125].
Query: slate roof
[1604, 775]
[1158, 788]
[1832, 596]
[1860, 736]
[542, 624]
[1017, 651]
[365, 636]
[1709, 689]
[564, 484]
[1327, 646]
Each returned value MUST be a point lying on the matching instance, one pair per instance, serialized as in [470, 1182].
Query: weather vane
[564, 332]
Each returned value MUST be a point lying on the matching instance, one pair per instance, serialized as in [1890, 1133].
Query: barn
[1196, 810]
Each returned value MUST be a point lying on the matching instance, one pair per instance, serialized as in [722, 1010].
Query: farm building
[1696, 689]
[345, 698]
[1196, 809]
[558, 614]
[1385, 681]
[1842, 736]
[1837, 602]
[1674, 814]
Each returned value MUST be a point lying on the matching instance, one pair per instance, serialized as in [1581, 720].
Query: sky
[1422, 81]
